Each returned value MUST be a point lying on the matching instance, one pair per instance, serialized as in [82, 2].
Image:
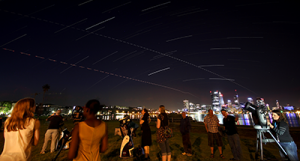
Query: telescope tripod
[261, 139]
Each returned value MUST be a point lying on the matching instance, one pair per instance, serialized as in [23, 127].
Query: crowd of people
[90, 135]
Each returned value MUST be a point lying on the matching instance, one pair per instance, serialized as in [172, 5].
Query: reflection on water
[245, 119]
[293, 119]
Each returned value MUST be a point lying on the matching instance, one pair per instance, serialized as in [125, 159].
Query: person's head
[224, 112]
[58, 112]
[162, 109]
[278, 116]
[23, 109]
[183, 115]
[210, 112]
[77, 108]
[91, 107]
[144, 111]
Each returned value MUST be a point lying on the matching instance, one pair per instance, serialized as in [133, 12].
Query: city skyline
[149, 53]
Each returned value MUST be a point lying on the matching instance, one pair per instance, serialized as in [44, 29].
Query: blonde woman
[21, 131]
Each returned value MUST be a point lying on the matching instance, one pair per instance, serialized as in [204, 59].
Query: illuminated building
[221, 99]
[236, 100]
[215, 98]
[185, 105]
[229, 104]
[278, 105]
[191, 107]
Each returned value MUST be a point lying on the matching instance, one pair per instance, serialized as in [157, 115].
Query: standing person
[232, 135]
[89, 137]
[211, 123]
[185, 127]
[21, 131]
[146, 132]
[52, 133]
[77, 115]
[281, 128]
[162, 122]
[132, 125]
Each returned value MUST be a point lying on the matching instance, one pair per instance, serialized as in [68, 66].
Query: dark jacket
[282, 131]
[56, 121]
[185, 125]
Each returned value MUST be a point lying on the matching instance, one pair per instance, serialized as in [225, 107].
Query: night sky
[149, 52]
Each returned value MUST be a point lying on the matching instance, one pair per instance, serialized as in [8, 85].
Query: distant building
[216, 102]
[221, 99]
[185, 105]
[278, 105]
[236, 100]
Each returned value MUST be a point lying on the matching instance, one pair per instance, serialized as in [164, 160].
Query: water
[244, 119]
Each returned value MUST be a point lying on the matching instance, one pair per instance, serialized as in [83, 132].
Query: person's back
[21, 132]
[90, 136]
[20, 140]
[55, 121]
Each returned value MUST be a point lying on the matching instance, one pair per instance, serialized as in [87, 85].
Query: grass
[198, 136]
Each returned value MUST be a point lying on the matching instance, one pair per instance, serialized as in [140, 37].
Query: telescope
[259, 116]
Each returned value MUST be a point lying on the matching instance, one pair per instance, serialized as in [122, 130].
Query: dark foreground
[201, 152]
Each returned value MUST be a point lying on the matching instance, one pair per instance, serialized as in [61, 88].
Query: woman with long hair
[21, 131]
[146, 132]
[281, 128]
[162, 122]
[89, 137]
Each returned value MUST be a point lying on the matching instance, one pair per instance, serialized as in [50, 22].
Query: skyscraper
[221, 99]
[278, 105]
[215, 98]
[186, 105]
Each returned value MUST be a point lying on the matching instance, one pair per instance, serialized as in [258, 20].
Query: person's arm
[49, 118]
[281, 130]
[36, 133]
[217, 120]
[141, 120]
[158, 123]
[104, 141]
[236, 118]
[149, 120]
[74, 143]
